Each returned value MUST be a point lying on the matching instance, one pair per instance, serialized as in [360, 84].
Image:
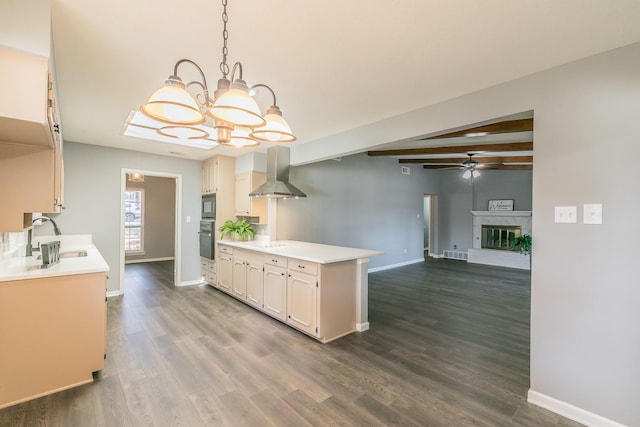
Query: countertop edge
[356, 253]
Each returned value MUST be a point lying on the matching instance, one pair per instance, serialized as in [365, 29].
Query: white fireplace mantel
[501, 213]
[476, 254]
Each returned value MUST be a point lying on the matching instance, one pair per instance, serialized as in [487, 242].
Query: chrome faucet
[30, 247]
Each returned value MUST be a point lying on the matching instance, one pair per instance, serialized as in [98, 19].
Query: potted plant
[523, 244]
[237, 230]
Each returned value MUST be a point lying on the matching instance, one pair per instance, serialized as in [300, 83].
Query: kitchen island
[52, 320]
[321, 290]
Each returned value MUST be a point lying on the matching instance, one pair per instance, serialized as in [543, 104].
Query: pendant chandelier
[234, 113]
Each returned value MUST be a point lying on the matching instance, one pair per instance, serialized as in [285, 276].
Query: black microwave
[208, 206]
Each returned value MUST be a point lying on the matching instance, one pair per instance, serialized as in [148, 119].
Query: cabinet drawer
[303, 266]
[280, 261]
[226, 249]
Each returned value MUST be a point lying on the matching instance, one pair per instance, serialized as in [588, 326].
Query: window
[133, 220]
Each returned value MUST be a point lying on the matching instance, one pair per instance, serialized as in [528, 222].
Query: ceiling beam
[508, 126]
[498, 167]
[506, 159]
[511, 146]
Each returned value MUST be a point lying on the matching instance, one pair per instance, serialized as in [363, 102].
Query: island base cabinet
[53, 334]
[302, 303]
[275, 292]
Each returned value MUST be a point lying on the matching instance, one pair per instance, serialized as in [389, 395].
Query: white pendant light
[173, 104]
[234, 112]
[276, 128]
[241, 137]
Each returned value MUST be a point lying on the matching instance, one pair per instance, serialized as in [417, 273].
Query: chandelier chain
[224, 68]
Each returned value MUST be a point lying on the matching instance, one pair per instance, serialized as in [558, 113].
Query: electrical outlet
[405, 170]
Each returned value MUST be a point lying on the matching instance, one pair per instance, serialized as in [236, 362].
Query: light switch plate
[592, 213]
[566, 214]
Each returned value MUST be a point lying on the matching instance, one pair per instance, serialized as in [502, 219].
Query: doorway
[149, 223]
[430, 224]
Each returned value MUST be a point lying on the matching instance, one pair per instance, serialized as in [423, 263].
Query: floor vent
[459, 255]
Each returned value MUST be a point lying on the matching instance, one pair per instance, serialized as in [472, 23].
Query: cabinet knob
[301, 266]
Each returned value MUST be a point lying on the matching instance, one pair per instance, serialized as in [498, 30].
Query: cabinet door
[243, 188]
[275, 292]
[209, 172]
[240, 278]
[225, 273]
[302, 296]
[254, 284]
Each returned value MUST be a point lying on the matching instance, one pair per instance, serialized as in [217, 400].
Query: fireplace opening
[500, 236]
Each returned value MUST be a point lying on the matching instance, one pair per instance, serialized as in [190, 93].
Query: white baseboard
[569, 411]
[400, 264]
[111, 294]
[192, 282]
[137, 261]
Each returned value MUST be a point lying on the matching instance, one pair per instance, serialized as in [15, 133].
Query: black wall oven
[208, 207]
[207, 239]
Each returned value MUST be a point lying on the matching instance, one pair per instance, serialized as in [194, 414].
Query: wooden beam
[509, 126]
[488, 167]
[459, 160]
[510, 146]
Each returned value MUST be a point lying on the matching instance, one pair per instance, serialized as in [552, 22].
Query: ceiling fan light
[466, 174]
[276, 129]
[236, 106]
[475, 173]
[173, 104]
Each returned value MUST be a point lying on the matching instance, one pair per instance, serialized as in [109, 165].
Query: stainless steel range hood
[277, 185]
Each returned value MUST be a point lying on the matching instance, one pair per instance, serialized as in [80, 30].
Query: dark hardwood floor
[448, 346]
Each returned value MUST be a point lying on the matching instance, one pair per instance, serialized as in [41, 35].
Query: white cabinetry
[239, 279]
[246, 205]
[275, 287]
[302, 301]
[30, 142]
[225, 269]
[255, 289]
[317, 299]
[208, 271]
[209, 175]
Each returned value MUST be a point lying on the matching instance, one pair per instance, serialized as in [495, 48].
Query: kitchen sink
[73, 254]
[70, 254]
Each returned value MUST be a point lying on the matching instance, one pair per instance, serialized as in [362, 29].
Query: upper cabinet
[246, 205]
[27, 106]
[31, 163]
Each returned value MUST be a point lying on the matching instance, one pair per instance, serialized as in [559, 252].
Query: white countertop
[21, 268]
[314, 252]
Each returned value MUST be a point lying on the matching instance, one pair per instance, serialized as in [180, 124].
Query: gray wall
[456, 196]
[92, 200]
[362, 202]
[585, 294]
[159, 217]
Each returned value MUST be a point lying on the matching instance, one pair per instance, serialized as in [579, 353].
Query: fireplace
[493, 234]
[500, 236]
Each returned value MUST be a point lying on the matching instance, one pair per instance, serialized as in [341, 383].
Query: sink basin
[73, 254]
[70, 254]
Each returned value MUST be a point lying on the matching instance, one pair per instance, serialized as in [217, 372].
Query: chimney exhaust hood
[277, 185]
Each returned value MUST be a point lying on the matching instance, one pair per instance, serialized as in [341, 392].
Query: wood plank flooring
[448, 346]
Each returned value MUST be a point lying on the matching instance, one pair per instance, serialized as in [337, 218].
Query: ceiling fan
[470, 167]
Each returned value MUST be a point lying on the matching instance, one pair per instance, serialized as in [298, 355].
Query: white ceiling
[334, 65]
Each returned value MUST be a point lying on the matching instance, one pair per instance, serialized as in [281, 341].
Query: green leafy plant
[523, 244]
[237, 230]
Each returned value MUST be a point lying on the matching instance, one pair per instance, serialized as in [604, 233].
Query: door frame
[177, 249]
